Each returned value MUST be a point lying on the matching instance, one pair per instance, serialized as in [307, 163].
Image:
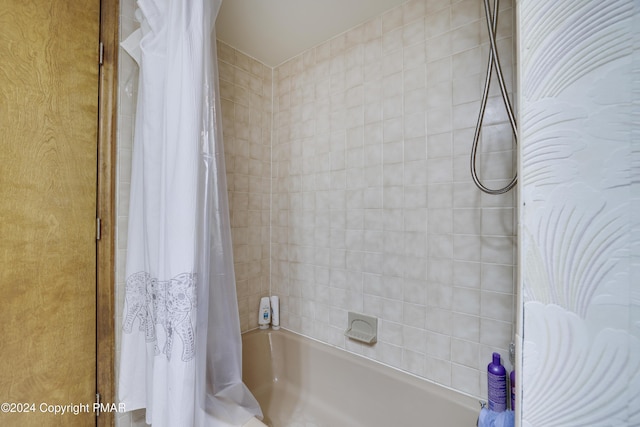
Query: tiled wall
[245, 89]
[371, 205]
[374, 209]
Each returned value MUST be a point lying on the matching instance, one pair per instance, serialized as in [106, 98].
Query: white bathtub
[301, 382]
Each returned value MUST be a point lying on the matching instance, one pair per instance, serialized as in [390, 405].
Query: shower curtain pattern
[169, 304]
[181, 347]
[581, 334]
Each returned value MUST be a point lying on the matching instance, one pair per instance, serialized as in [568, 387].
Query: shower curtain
[181, 348]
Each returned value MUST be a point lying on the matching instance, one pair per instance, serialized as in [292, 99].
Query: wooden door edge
[106, 251]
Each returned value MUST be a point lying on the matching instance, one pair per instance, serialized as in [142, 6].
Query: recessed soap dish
[362, 328]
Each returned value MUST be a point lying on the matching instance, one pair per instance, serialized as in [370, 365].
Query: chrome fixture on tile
[494, 61]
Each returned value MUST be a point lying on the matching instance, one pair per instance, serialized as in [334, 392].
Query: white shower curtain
[181, 349]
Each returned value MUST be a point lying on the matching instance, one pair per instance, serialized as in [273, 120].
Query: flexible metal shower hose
[494, 62]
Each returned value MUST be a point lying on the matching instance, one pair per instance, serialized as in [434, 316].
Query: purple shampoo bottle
[497, 385]
[512, 380]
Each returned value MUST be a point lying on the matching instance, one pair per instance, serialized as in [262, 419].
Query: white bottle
[264, 315]
[275, 312]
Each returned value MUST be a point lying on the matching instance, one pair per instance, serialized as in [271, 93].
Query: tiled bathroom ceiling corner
[277, 30]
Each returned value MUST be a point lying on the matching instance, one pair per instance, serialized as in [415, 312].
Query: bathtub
[302, 382]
